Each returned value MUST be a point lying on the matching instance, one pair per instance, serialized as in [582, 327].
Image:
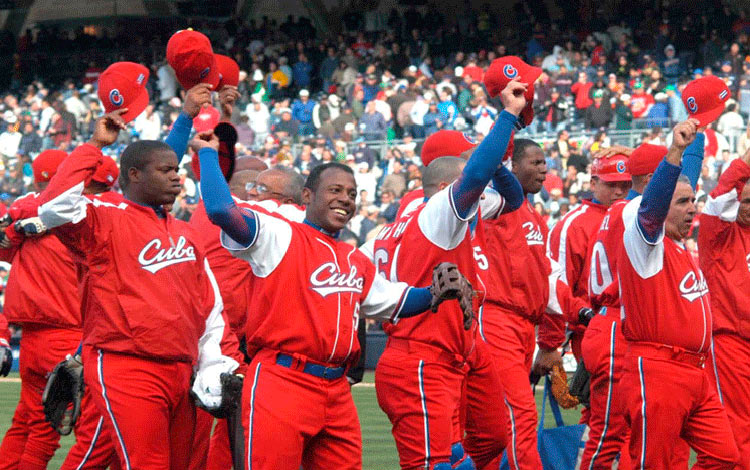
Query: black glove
[63, 394]
[6, 360]
[231, 396]
[585, 315]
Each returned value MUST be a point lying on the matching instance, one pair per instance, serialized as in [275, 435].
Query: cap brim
[614, 178]
[136, 107]
[709, 116]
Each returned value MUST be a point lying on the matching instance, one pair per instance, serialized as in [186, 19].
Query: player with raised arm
[298, 364]
[667, 321]
[724, 248]
[141, 349]
[420, 374]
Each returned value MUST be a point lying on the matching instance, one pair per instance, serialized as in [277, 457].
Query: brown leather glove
[447, 284]
[560, 388]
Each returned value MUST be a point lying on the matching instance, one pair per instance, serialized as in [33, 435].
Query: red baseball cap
[445, 143]
[107, 172]
[46, 163]
[704, 98]
[229, 71]
[227, 135]
[207, 119]
[611, 169]
[645, 158]
[507, 68]
[123, 85]
[190, 54]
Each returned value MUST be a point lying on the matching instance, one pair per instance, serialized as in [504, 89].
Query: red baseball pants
[486, 417]
[219, 451]
[419, 387]
[94, 448]
[732, 379]
[667, 400]
[292, 418]
[512, 338]
[31, 442]
[210, 451]
[148, 406]
[603, 349]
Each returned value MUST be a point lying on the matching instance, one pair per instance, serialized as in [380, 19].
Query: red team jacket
[42, 287]
[437, 234]
[604, 290]
[4, 331]
[724, 248]
[149, 291]
[570, 244]
[664, 295]
[309, 290]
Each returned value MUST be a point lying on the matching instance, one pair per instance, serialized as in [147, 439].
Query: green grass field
[379, 450]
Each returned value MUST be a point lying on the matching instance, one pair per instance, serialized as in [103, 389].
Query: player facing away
[308, 295]
[420, 376]
[146, 338]
[667, 321]
[724, 247]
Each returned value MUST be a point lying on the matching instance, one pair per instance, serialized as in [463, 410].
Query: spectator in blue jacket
[671, 66]
[432, 120]
[658, 115]
[677, 111]
[302, 111]
[447, 109]
[370, 87]
[372, 124]
[302, 71]
[327, 67]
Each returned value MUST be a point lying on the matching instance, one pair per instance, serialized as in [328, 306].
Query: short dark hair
[520, 146]
[313, 179]
[138, 155]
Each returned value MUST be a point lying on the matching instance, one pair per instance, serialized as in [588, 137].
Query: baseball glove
[580, 386]
[448, 283]
[6, 361]
[63, 393]
[560, 388]
[231, 396]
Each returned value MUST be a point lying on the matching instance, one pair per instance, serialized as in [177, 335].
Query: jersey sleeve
[265, 252]
[368, 249]
[381, 298]
[491, 204]
[210, 352]
[4, 331]
[646, 257]
[440, 222]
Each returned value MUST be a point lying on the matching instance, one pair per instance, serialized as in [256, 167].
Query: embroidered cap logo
[510, 71]
[205, 72]
[621, 166]
[115, 97]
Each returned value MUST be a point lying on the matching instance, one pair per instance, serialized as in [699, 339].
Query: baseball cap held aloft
[190, 54]
[123, 85]
[445, 143]
[611, 169]
[207, 119]
[507, 68]
[45, 164]
[645, 158]
[704, 99]
[229, 71]
[227, 135]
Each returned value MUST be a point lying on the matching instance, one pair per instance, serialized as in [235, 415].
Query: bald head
[238, 183]
[279, 183]
[440, 173]
[249, 163]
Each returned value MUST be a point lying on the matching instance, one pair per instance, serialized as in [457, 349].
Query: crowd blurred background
[369, 94]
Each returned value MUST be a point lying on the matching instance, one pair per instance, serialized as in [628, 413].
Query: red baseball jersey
[148, 289]
[409, 202]
[309, 290]
[42, 286]
[664, 295]
[569, 244]
[409, 249]
[724, 247]
[604, 290]
[640, 104]
[232, 275]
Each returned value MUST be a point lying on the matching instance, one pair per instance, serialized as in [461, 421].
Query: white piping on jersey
[393, 276]
[338, 294]
[425, 415]
[93, 443]
[610, 378]
[562, 250]
[716, 372]
[100, 373]
[251, 418]
[643, 413]
[356, 313]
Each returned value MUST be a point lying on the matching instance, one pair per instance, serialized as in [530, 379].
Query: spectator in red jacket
[582, 89]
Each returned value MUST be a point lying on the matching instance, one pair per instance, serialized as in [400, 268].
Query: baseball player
[298, 365]
[570, 242]
[6, 355]
[724, 247]
[667, 392]
[603, 346]
[42, 297]
[419, 376]
[524, 285]
[141, 346]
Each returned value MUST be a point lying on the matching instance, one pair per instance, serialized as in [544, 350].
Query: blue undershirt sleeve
[506, 183]
[180, 135]
[656, 200]
[692, 159]
[417, 301]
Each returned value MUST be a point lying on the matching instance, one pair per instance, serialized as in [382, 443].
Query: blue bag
[559, 447]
